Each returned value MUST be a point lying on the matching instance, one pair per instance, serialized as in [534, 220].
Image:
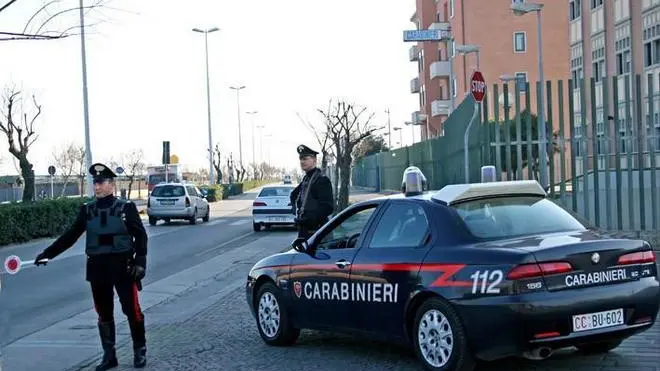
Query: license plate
[168, 202]
[277, 219]
[592, 321]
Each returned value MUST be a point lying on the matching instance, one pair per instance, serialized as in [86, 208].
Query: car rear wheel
[439, 339]
[599, 347]
[193, 219]
[272, 317]
[256, 227]
[207, 216]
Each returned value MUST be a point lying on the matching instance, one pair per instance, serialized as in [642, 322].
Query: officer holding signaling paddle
[116, 249]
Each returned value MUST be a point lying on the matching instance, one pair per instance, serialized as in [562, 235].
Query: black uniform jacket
[108, 267]
[320, 204]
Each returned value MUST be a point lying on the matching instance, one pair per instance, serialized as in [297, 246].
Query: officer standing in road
[313, 196]
[116, 248]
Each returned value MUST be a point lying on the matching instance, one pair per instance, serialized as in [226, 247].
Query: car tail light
[258, 203]
[187, 202]
[537, 270]
[637, 258]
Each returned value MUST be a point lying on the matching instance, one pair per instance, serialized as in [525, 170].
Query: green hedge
[232, 189]
[22, 222]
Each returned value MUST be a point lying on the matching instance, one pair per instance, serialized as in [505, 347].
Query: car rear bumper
[273, 216]
[544, 319]
[183, 212]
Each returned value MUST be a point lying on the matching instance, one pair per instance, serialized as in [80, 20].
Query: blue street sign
[119, 170]
[426, 35]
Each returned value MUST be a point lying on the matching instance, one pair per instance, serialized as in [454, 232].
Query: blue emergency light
[488, 174]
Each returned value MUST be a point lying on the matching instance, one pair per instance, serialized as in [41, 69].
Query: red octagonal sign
[12, 264]
[478, 86]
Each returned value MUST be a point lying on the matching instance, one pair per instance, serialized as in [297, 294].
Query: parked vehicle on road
[473, 271]
[273, 207]
[169, 201]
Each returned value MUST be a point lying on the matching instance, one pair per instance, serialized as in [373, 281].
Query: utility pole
[389, 129]
[88, 146]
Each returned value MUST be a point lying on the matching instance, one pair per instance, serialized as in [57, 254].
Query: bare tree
[217, 164]
[20, 137]
[81, 166]
[40, 24]
[323, 138]
[347, 127]
[65, 160]
[134, 166]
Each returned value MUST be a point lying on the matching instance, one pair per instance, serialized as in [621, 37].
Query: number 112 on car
[486, 282]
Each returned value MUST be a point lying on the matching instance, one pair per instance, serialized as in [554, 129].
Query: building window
[651, 37]
[599, 72]
[453, 87]
[519, 42]
[596, 3]
[623, 63]
[574, 9]
[451, 8]
[453, 48]
[521, 80]
[422, 96]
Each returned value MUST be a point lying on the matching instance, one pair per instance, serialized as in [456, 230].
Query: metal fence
[606, 172]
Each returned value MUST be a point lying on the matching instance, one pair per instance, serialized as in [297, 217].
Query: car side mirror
[300, 244]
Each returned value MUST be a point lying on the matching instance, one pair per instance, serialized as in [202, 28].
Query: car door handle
[343, 263]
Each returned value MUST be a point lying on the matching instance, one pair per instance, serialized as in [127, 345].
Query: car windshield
[168, 191]
[504, 217]
[276, 192]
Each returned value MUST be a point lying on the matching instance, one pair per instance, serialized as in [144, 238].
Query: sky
[147, 79]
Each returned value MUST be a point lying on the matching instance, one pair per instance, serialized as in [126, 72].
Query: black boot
[139, 343]
[107, 332]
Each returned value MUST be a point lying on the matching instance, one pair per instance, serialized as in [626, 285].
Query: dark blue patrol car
[473, 271]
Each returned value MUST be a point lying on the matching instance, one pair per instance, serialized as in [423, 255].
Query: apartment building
[615, 38]
[507, 46]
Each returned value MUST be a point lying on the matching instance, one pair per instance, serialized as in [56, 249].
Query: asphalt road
[37, 297]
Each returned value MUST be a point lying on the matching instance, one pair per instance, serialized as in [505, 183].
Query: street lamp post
[208, 98]
[389, 127]
[88, 146]
[238, 107]
[254, 158]
[519, 10]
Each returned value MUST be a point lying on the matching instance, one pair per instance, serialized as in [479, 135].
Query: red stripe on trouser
[136, 304]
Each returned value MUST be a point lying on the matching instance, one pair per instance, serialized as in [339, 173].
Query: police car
[473, 271]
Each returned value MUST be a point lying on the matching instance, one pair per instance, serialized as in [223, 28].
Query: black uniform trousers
[127, 291]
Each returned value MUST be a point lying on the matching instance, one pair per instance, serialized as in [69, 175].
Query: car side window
[191, 190]
[402, 225]
[349, 229]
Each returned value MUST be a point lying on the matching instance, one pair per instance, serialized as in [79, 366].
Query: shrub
[22, 222]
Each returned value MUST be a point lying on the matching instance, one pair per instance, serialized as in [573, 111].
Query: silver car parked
[170, 201]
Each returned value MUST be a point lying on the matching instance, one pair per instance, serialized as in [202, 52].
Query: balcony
[441, 107]
[440, 69]
[414, 85]
[413, 53]
[418, 117]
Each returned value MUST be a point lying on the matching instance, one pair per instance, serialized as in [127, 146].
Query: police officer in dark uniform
[116, 248]
[313, 196]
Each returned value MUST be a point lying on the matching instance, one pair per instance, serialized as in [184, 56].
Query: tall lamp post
[520, 10]
[88, 147]
[206, 32]
[240, 137]
[254, 158]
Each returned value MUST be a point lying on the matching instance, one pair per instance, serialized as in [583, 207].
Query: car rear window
[276, 192]
[503, 217]
[168, 191]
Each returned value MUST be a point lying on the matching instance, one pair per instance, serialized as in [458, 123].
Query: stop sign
[478, 86]
[12, 264]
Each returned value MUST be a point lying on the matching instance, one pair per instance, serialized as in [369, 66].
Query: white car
[170, 201]
[273, 207]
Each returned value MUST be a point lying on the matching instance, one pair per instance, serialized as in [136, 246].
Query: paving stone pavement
[224, 337]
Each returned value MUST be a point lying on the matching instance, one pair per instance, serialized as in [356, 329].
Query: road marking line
[224, 243]
[239, 222]
[216, 222]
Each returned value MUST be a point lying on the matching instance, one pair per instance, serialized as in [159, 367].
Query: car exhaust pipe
[538, 354]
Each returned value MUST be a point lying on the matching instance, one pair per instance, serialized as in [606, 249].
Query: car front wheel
[272, 317]
[439, 339]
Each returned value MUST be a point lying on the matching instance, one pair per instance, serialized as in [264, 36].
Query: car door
[385, 270]
[203, 203]
[320, 279]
